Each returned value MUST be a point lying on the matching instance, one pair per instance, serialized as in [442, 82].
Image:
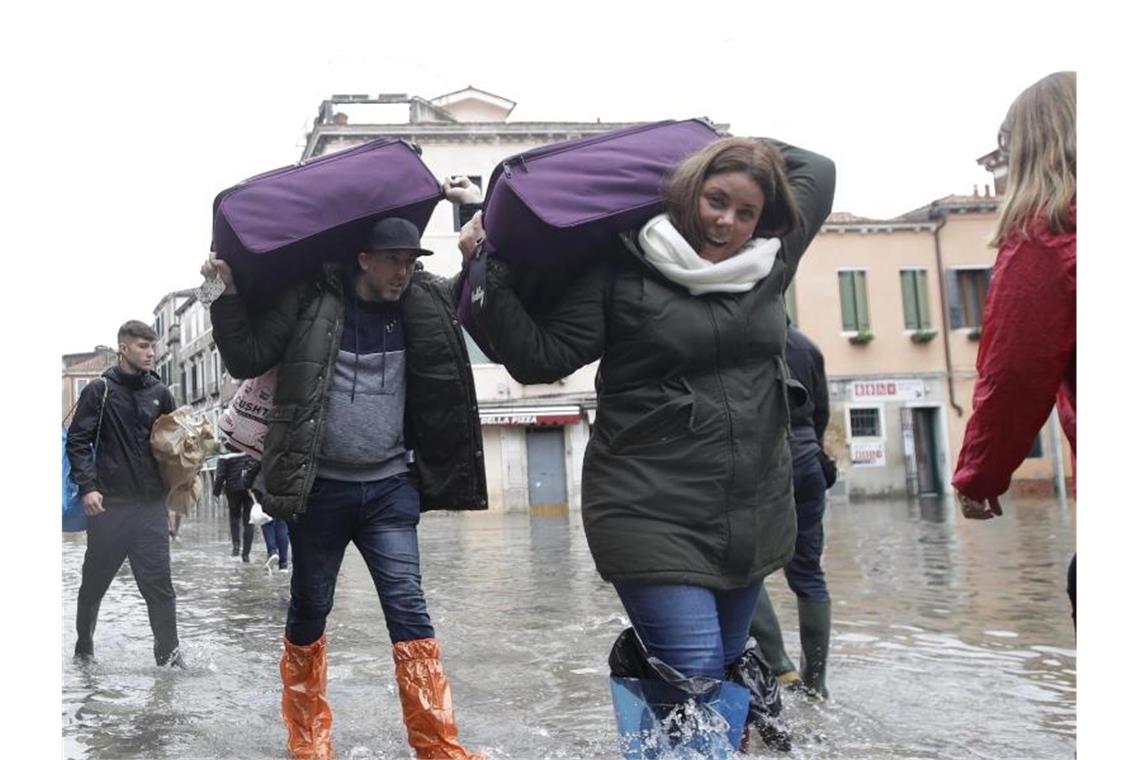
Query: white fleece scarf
[671, 255]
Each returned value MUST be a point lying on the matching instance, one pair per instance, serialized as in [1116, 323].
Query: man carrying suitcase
[123, 494]
[374, 418]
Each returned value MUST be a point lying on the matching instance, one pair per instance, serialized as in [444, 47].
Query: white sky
[124, 119]
[156, 111]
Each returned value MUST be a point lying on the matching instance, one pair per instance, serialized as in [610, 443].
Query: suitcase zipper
[519, 159]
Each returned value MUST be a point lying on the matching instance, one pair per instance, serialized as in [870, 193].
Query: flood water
[951, 639]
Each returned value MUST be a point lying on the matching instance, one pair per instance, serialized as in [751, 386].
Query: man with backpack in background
[122, 490]
[234, 476]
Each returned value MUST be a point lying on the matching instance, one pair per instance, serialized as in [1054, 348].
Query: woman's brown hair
[759, 159]
[1040, 136]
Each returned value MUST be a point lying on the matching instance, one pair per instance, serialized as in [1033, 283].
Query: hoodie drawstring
[356, 343]
[384, 356]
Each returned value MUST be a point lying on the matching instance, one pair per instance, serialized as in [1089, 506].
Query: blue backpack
[74, 518]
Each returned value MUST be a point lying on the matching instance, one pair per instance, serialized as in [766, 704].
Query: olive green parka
[300, 335]
[687, 474]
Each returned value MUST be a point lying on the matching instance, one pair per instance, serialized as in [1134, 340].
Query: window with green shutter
[853, 300]
[966, 295]
[916, 311]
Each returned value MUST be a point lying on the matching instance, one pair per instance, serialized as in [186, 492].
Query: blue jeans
[276, 535]
[804, 572]
[697, 630]
[380, 517]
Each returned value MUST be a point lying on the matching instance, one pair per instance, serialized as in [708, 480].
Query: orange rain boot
[425, 697]
[306, 711]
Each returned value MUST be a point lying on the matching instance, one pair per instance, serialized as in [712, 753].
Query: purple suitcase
[279, 226]
[552, 210]
[557, 201]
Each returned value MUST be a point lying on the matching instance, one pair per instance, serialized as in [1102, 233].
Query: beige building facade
[79, 370]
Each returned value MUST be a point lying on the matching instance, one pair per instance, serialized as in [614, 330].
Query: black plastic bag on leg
[764, 705]
[678, 708]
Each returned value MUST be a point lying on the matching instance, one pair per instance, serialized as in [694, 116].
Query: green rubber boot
[765, 628]
[815, 639]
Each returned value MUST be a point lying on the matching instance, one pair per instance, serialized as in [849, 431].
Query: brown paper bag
[181, 444]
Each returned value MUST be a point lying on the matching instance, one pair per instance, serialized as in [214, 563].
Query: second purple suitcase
[556, 201]
[277, 227]
[552, 210]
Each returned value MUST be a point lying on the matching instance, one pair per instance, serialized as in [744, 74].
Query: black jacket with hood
[123, 468]
[235, 473]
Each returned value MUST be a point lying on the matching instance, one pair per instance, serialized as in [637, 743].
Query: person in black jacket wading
[371, 367]
[813, 473]
[234, 477]
[123, 494]
[687, 480]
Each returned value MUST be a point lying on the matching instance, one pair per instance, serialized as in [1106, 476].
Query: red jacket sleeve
[1029, 339]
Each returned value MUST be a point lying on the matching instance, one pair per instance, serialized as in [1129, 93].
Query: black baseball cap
[394, 234]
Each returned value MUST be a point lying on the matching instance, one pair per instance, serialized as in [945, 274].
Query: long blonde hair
[1040, 135]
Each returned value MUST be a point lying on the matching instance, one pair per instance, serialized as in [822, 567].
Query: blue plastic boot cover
[656, 719]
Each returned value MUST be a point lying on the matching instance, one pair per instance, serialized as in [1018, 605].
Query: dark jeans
[240, 504]
[380, 518]
[698, 631]
[805, 573]
[142, 536]
[276, 535]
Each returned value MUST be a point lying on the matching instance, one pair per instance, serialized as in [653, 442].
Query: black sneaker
[245, 558]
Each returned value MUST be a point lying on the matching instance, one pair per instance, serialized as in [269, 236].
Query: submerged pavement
[950, 639]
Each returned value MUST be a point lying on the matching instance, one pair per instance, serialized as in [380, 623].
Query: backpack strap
[99, 425]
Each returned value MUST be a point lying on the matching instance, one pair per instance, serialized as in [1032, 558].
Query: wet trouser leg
[386, 537]
[246, 503]
[269, 536]
[698, 631]
[805, 571]
[107, 540]
[149, 554]
[319, 536]
[142, 536]
[233, 503]
[806, 579]
[276, 536]
[282, 531]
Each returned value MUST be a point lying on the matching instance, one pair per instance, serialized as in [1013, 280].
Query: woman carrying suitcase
[687, 484]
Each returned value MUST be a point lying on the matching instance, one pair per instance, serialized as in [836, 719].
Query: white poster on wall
[868, 454]
[887, 390]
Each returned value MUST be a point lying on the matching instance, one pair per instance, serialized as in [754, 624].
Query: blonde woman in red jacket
[1027, 361]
